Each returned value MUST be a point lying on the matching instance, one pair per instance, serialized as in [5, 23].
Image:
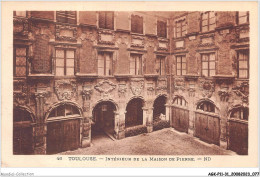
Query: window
[243, 64]
[240, 113]
[160, 65]
[137, 24]
[20, 56]
[180, 28]
[106, 20]
[208, 64]
[20, 13]
[181, 65]
[65, 62]
[180, 101]
[243, 17]
[136, 64]
[162, 29]
[105, 64]
[66, 17]
[208, 21]
[206, 106]
[64, 111]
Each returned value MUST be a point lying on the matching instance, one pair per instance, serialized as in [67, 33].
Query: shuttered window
[65, 62]
[161, 29]
[106, 20]
[105, 64]
[136, 64]
[243, 64]
[137, 24]
[20, 56]
[181, 65]
[208, 64]
[66, 17]
[208, 21]
[160, 65]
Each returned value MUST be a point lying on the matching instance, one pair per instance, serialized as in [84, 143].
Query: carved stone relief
[179, 84]
[66, 32]
[150, 88]
[161, 85]
[105, 86]
[21, 26]
[137, 41]
[137, 86]
[207, 88]
[106, 37]
[20, 93]
[122, 90]
[86, 92]
[242, 90]
[65, 89]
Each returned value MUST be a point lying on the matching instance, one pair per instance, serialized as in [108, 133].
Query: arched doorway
[207, 122]
[180, 114]
[134, 112]
[22, 132]
[63, 129]
[238, 130]
[159, 109]
[103, 119]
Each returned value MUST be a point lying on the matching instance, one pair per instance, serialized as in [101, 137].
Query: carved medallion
[137, 86]
[207, 88]
[65, 89]
[179, 84]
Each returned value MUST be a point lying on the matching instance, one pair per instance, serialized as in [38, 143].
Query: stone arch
[25, 108]
[134, 97]
[230, 110]
[179, 96]
[162, 94]
[207, 100]
[102, 100]
[55, 105]
[159, 108]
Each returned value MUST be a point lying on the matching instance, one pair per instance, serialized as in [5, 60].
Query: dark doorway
[104, 120]
[134, 113]
[22, 132]
[159, 109]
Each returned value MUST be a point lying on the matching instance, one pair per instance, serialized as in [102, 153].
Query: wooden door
[207, 128]
[238, 137]
[180, 119]
[22, 140]
[63, 136]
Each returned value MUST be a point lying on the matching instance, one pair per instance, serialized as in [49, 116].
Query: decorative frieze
[161, 85]
[21, 26]
[242, 90]
[207, 40]
[105, 86]
[179, 84]
[163, 44]
[20, 92]
[65, 89]
[137, 41]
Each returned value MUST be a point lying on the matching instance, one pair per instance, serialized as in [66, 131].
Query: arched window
[180, 101]
[240, 113]
[64, 111]
[206, 106]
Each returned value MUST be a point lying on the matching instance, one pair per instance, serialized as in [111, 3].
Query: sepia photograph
[96, 86]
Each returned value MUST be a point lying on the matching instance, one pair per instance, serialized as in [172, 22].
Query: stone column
[120, 125]
[191, 118]
[148, 115]
[40, 128]
[85, 123]
[168, 112]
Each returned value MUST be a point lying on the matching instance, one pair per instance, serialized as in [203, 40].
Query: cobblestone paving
[162, 142]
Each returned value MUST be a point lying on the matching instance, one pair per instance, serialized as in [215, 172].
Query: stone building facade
[126, 73]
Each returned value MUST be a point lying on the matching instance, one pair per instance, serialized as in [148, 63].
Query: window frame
[113, 23]
[243, 110]
[208, 104]
[208, 61]
[183, 102]
[181, 70]
[208, 21]
[66, 16]
[158, 27]
[103, 53]
[160, 59]
[140, 57]
[65, 62]
[132, 22]
[181, 27]
[239, 69]
[14, 59]
[247, 19]
[55, 110]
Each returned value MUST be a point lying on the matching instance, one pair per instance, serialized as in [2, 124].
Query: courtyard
[163, 142]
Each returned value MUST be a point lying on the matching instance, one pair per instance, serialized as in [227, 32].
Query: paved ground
[162, 142]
